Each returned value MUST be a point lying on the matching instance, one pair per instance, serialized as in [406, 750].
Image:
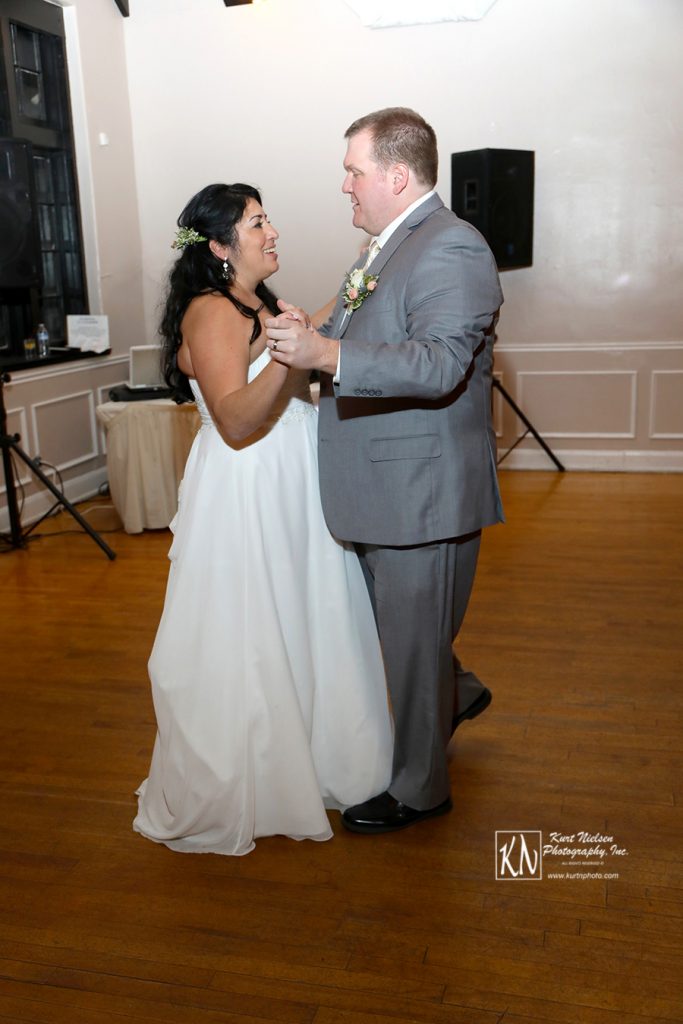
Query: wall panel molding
[89, 453]
[666, 402]
[23, 476]
[43, 397]
[615, 406]
[576, 402]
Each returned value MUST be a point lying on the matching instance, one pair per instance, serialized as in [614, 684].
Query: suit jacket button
[364, 391]
[357, 391]
[378, 392]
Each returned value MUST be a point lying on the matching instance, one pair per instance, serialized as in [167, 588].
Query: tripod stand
[529, 429]
[10, 443]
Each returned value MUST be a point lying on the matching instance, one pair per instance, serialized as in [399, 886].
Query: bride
[266, 672]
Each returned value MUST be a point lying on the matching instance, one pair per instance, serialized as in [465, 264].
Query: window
[42, 276]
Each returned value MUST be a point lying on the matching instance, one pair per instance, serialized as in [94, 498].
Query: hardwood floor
[575, 624]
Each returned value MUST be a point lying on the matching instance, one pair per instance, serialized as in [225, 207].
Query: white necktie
[373, 249]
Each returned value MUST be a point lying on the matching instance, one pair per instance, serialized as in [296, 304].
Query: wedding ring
[274, 346]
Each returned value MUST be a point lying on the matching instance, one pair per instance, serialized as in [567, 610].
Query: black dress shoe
[474, 709]
[384, 813]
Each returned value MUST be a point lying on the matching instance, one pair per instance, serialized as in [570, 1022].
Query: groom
[407, 450]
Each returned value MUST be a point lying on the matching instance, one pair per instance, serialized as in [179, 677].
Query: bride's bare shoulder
[211, 311]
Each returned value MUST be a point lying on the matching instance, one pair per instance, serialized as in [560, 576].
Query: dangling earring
[226, 269]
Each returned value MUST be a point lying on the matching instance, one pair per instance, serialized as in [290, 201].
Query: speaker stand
[530, 429]
[10, 444]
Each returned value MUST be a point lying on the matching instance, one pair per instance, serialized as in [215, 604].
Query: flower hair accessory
[357, 287]
[185, 237]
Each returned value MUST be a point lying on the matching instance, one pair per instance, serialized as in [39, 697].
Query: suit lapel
[342, 318]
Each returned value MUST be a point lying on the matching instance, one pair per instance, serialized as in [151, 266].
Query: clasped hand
[294, 341]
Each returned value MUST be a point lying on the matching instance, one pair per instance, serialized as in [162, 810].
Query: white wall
[101, 112]
[263, 93]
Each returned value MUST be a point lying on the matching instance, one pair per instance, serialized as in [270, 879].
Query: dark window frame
[61, 288]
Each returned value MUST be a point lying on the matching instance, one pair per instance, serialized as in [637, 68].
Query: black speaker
[20, 265]
[493, 189]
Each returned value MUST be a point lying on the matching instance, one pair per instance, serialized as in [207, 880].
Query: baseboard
[595, 461]
[79, 488]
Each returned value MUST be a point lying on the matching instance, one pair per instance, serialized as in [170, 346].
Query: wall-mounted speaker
[493, 189]
[20, 265]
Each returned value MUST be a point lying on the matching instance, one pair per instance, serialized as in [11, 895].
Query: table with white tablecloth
[147, 446]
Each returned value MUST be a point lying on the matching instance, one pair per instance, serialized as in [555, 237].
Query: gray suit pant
[419, 596]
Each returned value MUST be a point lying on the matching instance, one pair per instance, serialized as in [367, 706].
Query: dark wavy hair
[214, 213]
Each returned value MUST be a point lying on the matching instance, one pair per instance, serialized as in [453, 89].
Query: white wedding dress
[266, 672]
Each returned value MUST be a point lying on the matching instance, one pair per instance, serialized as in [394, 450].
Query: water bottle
[43, 339]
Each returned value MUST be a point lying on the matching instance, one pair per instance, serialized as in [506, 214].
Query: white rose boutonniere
[357, 287]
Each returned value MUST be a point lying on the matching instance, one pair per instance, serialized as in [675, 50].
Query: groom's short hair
[400, 135]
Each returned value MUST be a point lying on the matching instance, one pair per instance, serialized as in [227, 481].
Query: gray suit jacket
[407, 449]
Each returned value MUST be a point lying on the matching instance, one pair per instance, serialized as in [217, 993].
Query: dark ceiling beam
[123, 7]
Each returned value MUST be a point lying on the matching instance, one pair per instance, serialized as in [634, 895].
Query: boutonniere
[357, 287]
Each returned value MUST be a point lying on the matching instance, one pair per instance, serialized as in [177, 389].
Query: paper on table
[89, 333]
